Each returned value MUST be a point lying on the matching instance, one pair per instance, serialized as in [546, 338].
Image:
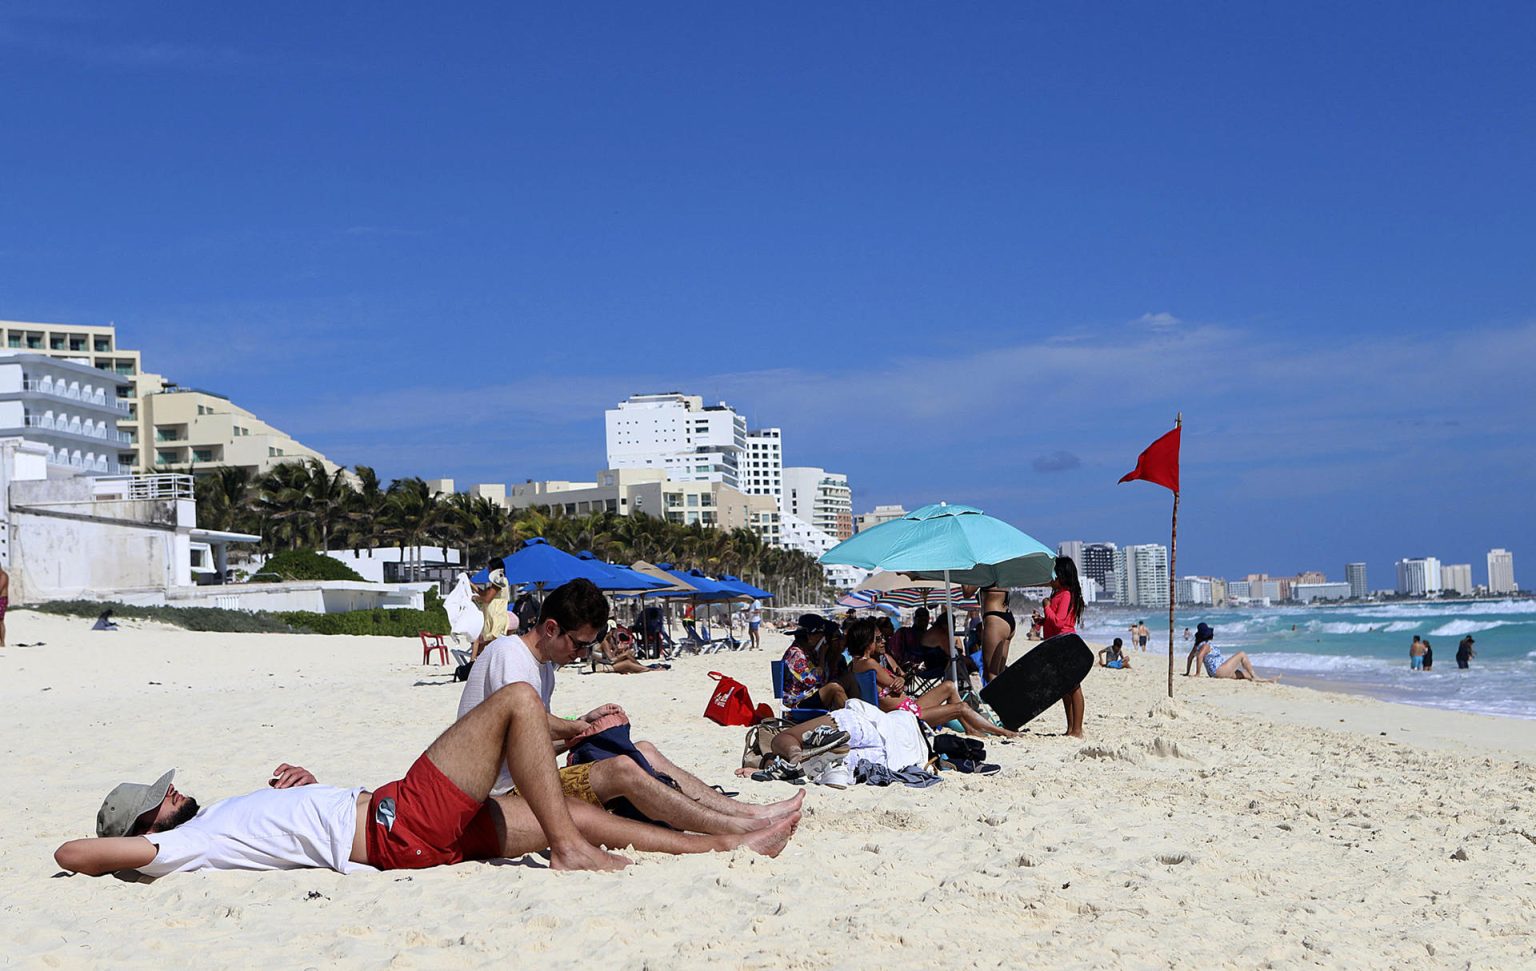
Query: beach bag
[730, 704]
[760, 741]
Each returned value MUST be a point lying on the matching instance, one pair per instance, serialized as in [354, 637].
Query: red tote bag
[730, 704]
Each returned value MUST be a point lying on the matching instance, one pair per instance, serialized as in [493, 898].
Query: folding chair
[869, 692]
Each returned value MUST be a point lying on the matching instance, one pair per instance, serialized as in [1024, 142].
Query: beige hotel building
[169, 428]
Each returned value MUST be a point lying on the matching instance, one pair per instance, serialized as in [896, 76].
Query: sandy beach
[1238, 826]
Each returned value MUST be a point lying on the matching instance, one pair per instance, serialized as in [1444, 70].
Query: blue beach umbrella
[540, 565]
[743, 587]
[621, 579]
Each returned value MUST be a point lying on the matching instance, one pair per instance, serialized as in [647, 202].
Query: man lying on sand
[438, 814]
[570, 621]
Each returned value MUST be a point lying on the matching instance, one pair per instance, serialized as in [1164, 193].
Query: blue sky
[981, 252]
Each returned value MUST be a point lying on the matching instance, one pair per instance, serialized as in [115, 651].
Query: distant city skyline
[912, 238]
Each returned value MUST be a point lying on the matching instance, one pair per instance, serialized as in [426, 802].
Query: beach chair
[432, 642]
[701, 643]
[869, 691]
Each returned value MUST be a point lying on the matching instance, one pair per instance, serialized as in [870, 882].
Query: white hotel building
[1501, 572]
[1419, 576]
[72, 409]
[679, 435]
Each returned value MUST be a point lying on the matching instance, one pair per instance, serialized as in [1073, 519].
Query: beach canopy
[955, 544]
[623, 579]
[540, 565]
[671, 585]
[703, 587]
[743, 587]
[886, 580]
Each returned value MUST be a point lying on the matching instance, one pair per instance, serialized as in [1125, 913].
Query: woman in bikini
[936, 706]
[997, 626]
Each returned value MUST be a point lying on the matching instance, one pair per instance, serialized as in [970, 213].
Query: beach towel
[464, 616]
[893, 739]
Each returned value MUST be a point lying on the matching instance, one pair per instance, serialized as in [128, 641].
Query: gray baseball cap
[125, 804]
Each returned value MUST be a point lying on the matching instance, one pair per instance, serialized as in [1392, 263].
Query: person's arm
[1103, 657]
[1058, 610]
[105, 854]
[1189, 661]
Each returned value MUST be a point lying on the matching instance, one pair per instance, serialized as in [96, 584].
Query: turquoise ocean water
[1364, 649]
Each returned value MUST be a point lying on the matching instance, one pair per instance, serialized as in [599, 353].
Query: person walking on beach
[1465, 653]
[753, 614]
[439, 813]
[1416, 654]
[1429, 656]
[1062, 612]
[1142, 634]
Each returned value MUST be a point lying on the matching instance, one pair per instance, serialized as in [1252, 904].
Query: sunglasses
[580, 646]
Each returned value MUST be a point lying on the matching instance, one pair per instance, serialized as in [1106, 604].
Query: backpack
[759, 743]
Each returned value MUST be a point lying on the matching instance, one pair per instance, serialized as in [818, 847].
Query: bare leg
[1238, 667]
[512, 725]
[943, 693]
[631, 666]
[974, 723]
[1073, 703]
[788, 742]
[695, 788]
[623, 777]
[520, 833]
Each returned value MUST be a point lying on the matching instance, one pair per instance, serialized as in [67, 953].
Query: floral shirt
[800, 680]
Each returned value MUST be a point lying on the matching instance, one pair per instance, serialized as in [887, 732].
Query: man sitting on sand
[437, 814]
[569, 621]
[1114, 656]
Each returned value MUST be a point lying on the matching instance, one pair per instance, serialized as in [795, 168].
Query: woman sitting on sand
[615, 654]
[936, 706]
[1216, 664]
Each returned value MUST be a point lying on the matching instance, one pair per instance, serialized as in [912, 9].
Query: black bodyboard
[1039, 679]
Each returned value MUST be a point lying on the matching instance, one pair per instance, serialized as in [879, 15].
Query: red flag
[1159, 463]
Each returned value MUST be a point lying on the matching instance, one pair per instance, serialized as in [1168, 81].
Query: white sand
[1240, 826]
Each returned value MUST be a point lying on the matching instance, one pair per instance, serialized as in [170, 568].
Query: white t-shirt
[270, 829]
[506, 660]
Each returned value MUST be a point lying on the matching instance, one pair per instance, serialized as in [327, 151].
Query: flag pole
[1173, 560]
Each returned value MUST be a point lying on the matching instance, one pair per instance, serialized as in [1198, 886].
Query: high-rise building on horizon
[1098, 562]
[678, 434]
[1073, 550]
[1456, 578]
[762, 472]
[1501, 571]
[1419, 576]
[1354, 575]
[820, 498]
[1141, 575]
[1193, 591]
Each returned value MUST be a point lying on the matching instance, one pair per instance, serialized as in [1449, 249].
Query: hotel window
[14, 340]
[102, 346]
[202, 455]
[55, 343]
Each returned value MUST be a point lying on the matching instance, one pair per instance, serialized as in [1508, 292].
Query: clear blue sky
[981, 252]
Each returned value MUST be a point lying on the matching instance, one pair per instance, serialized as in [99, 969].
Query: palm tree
[225, 499]
[327, 497]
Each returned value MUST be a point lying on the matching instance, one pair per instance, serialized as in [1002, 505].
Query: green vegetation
[387, 623]
[191, 618]
[301, 506]
[304, 565]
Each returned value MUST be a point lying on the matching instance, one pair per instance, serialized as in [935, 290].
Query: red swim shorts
[425, 820]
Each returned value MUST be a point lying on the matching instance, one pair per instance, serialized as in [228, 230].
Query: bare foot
[780, 809]
[771, 840]
[585, 856]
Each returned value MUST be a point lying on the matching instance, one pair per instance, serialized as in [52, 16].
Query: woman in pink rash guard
[1062, 612]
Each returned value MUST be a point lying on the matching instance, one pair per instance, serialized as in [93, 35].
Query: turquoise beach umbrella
[953, 543]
